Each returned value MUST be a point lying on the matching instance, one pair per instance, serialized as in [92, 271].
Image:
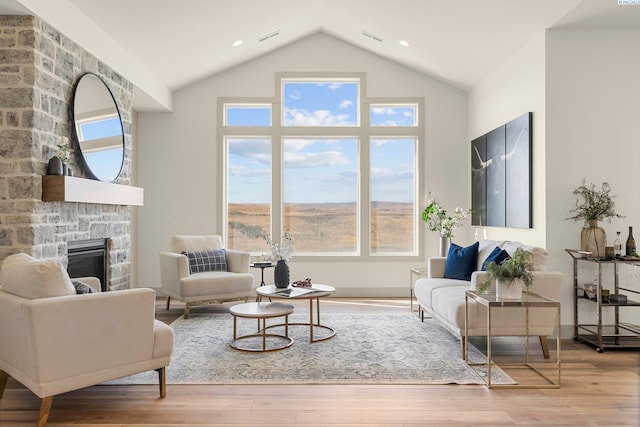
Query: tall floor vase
[445, 242]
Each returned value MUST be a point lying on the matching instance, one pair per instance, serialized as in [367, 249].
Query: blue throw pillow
[497, 255]
[461, 262]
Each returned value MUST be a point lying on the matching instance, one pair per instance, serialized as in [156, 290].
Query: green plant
[593, 204]
[437, 219]
[519, 266]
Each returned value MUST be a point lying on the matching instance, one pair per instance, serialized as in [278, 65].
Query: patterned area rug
[367, 349]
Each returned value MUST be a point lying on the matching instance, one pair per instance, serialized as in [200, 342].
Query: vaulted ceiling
[162, 45]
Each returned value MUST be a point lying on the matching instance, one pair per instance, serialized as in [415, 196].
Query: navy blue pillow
[497, 255]
[461, 262]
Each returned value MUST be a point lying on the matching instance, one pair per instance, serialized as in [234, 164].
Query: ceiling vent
[372, 36]
[268, 36]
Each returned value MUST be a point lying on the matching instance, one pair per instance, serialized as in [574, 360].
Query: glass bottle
[617, 245]
[631, 244]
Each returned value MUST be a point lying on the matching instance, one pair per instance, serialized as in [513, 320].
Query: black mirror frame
[74, 135]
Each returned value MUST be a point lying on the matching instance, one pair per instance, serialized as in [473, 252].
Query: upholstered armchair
[200, 271]
[54, 340]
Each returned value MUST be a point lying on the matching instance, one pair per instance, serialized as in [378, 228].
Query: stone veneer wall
[38, 69]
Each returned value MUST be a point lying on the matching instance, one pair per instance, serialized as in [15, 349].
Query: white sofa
[443, 299]
[53, 340]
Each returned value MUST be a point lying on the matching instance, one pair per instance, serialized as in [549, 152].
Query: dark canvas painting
[518, 172]
[479, 181]
[496, 196]
[501, 182]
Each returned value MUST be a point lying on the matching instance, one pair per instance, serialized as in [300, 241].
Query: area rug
[367, 349]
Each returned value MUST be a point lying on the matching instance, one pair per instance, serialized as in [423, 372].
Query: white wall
[178, 156]
[593, 132]
[514, 88]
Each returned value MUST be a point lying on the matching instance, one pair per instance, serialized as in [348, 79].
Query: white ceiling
[170, 44]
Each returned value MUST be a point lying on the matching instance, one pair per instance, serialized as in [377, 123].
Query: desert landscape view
[324, 227]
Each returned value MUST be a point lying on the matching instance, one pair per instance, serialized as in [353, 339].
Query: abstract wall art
[501, 184]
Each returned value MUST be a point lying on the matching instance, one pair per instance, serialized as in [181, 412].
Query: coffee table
[318, 291]
[261, 311]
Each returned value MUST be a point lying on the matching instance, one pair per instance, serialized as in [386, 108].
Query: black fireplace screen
[88, 258]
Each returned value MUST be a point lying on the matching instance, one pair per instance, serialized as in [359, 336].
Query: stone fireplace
[38, 68]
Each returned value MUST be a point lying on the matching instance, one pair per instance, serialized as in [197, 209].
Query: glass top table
[530, 300]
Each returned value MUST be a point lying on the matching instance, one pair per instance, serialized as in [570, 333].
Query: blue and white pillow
[201, 261]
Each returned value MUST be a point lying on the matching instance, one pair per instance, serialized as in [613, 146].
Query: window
[336, 170]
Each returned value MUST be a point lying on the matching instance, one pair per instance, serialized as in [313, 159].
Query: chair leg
[462, 346]
[45, 408]
[187, 307]
[545, 346]
[162, 380]
[168, 302]
[3, 382]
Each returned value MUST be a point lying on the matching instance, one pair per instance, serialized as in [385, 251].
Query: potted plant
[510, 275]
[593, 205]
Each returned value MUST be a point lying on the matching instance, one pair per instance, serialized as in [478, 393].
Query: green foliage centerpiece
[437, 219]
[515, 271]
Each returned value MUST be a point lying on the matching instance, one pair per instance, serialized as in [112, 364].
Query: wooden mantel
[61, 188]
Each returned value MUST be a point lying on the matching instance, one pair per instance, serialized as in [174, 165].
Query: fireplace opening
[88, 258]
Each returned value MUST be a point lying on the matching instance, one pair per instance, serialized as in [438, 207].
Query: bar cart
[599, 335]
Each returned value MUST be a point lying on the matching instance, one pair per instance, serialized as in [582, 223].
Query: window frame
[363, 133]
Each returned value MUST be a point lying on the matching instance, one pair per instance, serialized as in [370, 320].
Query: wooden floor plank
[597, 390]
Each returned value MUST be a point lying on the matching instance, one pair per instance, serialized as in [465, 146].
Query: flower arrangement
[519, 266]
[437, 219]
[593, 204]
[280, 251]
[64, 149]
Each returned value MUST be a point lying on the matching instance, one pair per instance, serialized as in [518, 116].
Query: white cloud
[390, 175]
[294, 159]
[301, 117]
[295, 94]
[242, 171]
[383, 111]
[345, 103]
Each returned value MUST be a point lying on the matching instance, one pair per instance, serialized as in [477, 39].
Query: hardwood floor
[597, 390]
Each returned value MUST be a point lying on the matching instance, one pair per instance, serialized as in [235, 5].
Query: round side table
[261, 311]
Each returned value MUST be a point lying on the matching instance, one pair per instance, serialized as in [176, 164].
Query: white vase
[509, 290]
[445, 242]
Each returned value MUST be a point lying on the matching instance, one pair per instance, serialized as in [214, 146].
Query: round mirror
[98, 128]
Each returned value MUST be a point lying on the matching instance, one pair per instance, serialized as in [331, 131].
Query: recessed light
[403, 43]
[237, 43]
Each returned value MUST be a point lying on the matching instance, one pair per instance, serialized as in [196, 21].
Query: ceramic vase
[445, 242]
[281, 274]
[509, 290]
[55, 166]
[593, 239]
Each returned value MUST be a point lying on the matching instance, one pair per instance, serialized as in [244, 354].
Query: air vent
[372, 36]
[268, 36]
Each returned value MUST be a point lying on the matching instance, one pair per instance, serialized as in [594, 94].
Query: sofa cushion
[539, 258]
[31, 278]
[497, 255]
[188, 243]
[201, 261]
[461, 262]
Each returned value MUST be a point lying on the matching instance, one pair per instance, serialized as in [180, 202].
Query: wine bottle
[617, 245]
[631, 244]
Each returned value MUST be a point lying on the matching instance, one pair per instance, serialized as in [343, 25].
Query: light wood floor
[597, 390]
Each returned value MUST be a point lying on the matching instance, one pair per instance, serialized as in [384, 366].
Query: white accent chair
[209, 287]
[53, 340]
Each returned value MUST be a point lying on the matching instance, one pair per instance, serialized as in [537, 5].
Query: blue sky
[320, 170]
[105, 164]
